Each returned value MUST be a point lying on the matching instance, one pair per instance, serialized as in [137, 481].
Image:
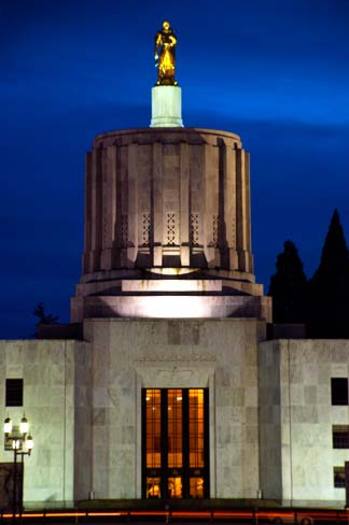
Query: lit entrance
[175, 448]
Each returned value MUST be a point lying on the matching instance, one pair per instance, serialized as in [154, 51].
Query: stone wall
[83, 402]
[128, 355]
[307, 416]
[48, 372]
[83, 415]
[269, 420]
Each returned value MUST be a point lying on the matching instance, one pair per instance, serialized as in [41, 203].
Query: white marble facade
[130, 355]
[48, 372]
[84, 400]
[269, 407]
[297, 418]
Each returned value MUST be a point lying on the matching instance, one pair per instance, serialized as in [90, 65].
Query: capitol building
[170, 381]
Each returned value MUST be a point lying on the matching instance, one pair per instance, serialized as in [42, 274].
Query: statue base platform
[166, 107]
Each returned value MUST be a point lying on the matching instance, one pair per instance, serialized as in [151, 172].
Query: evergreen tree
[43, 317]
[329, 287]
[288, 287]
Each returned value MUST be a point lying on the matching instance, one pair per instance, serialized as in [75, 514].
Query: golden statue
[165, 56]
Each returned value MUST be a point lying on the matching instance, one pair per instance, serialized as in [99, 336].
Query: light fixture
[29, 444]
[24, 425]
[22, 443]
[16, 444]
[8, 426]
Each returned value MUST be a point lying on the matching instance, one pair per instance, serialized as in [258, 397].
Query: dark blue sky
[274, 71]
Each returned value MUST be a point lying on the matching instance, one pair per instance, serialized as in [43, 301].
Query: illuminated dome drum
[167, 227]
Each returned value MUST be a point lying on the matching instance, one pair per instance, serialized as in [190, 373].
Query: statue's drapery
[165, 56]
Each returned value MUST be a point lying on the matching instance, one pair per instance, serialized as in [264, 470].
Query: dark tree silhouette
[329, 287]
[288, 287]
[43, 317]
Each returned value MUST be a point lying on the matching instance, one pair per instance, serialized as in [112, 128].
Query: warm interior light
[147, 398]
[8, 425]
[24, 425]
[179, 398]
[173, 271]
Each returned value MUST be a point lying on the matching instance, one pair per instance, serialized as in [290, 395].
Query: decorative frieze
[194, 229]
[215, 230]
[172, 237]
[146, 229]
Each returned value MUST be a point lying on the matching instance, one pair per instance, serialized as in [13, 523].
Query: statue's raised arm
[165, 55]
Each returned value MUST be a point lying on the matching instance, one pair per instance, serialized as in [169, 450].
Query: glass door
[175, 448]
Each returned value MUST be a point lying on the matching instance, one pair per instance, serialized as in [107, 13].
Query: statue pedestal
[166, 107]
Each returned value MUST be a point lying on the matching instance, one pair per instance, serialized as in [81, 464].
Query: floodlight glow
[167, 307]
[161, 306]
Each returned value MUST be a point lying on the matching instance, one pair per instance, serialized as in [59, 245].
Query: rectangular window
[175, 428]
[196, 487]
[339, 390]
[175, 487]
[153, 488]
[14, 393]
[196, 428]
[340, 435]
[339, 477]
[153, 428]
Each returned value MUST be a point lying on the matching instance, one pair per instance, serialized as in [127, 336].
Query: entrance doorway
[175, 443]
